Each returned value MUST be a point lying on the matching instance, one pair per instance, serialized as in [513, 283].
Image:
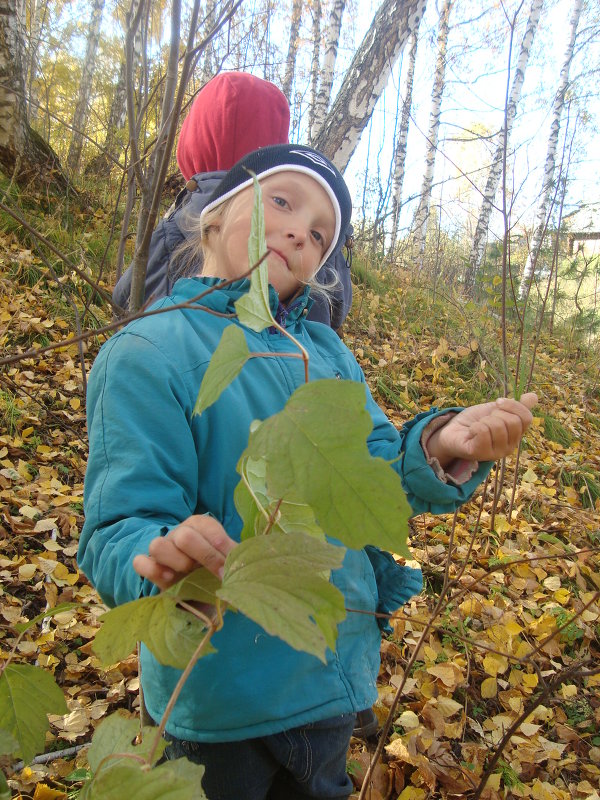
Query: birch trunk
[400, 151]
[24, 155]
[548, 180]
[495, 170]
[81, 113]
[290, 62]
[366, 77]
[314, 66]
[422, 213]
[332, 38]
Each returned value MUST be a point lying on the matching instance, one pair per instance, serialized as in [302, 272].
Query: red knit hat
[233, 114]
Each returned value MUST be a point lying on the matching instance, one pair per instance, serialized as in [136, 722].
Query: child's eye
[318, 237]
[280, 201]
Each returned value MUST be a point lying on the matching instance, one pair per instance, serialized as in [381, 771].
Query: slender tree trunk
[81, 113]
[548, 180]
[422, 213]
[366, 77]
[290, 62]
[332, 38]
[38, 13]
[400, 150]
[314, 66]
[495, 170]
[24, 155]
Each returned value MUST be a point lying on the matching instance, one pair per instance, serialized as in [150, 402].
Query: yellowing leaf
[408, 720]
[495, 664]
[412, 793]
[27, 571]
[489, 688]
[568, 690]
[43, 792]
[529, 476]
[562, 596]
[75, 402]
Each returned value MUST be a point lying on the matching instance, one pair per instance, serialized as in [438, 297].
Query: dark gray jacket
[171, 231]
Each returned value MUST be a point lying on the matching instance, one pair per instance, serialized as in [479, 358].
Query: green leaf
[356, 498]
[27, 695]
[21, 627]
[200, 585]
[169, 632]
[128, 779]
[8, 744]
[227, 361]
[116, 733]
[253, 309]
[5, 793]
[278, 581]
[257, 508]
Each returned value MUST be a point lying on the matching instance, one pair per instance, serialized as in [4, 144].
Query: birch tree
[549, 167]
[495, 170]
[332, 38]
[315, 65]
[80, 115]
[400, 149]
[422, 213]
[366, 77]
[290, 62]
[24, 155]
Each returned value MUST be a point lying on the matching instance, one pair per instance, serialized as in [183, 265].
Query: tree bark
[24, 155]
[332, 38]
[81, 113]
[314, 66]
[366, 78]
[290, 62]
[400, 150]
[495, 170]
[422, 213]
[548, 181]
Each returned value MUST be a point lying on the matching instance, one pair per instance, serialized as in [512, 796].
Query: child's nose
[298, 233]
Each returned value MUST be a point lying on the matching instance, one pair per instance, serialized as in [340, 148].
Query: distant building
[583, 230]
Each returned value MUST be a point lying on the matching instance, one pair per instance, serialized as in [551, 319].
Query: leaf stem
[177, 691]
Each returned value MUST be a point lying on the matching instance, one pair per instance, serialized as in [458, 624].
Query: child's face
[299, 227]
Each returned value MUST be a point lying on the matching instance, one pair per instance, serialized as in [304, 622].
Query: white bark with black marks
[549, 167]
[332, 38]
[82, 106]
[401, 141]
[422, 213]
[495, 171]
[366, 78]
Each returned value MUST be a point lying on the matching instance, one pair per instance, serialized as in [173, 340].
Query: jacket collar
[223, 300]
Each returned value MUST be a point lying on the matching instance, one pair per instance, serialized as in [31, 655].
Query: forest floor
[519, 565]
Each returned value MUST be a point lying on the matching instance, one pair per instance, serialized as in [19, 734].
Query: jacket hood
[233, 114]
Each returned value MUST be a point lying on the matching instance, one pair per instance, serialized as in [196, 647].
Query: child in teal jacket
[267, 721]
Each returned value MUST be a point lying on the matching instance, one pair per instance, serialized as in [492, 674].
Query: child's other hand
[199, 541]
[485, 432]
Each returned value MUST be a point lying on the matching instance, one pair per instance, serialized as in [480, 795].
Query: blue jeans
[296, 764]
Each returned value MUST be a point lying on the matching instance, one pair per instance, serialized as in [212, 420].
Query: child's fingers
[165, 551]
[204, 541]
[529, 400]
[161, 576]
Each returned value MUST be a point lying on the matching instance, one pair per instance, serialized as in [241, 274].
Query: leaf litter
[487, 656]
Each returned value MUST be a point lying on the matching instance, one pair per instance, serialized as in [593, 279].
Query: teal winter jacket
[152, 464]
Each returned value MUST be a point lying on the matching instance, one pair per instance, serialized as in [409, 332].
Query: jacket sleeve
[138, 413]
[396, 583]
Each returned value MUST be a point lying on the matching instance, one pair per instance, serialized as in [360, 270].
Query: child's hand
[199, 541]
[483, 433]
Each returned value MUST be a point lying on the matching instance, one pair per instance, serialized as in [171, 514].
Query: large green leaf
[253, 309]
[115, 734]
[257, 508]
[127, 778]
[280, 582]
[226, 362]
[5, 793]
[8, 744]
[318, 446]
[27, 695]
[169, 632]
